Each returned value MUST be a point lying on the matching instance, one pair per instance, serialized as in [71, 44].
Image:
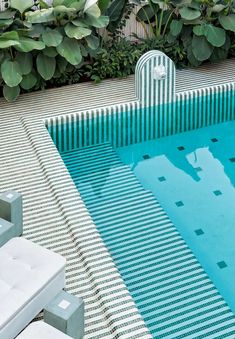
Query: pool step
[172, 291]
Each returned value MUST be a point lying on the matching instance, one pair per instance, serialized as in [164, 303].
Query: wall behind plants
[40, 41]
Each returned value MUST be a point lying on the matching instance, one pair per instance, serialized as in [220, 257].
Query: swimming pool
[186, 173]
[105, 151]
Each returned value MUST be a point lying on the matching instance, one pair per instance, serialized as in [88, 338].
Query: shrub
[204, 28]
[39, 43]
[118, 58]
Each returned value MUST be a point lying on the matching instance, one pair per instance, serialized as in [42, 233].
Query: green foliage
[47, 46]
[203, 28]
[114, 60]
[118, 12]
[118, 58]
[40, 43]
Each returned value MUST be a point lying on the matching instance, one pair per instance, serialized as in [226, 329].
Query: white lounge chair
[30, 276]
[41, 330]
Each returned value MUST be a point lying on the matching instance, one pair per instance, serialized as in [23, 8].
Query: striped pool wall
[157, 112]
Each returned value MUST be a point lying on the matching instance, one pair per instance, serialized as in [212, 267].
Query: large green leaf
[93, 11]
[74, 3]
[11, 93]
[45, 66]
[36, 30]
[28, 81]
[8, 43]
[8, 39]
[79, 5]
[22, 5]
[70, 50]
[11, 73]
[7, 14]
[146, 13]
[201, 49]
[50, 51]
[92, 42]
[52, 37]
[100, 22]
[116, 9]
[215, 35]
[76, 32]
[63, 9]
[199, 30]
[89, 4]
[28, 45]
[176, 27]
[188, 13]
[58, 3]
[103, 5]
[25, 61]
[228, 22]
[6, 18]
[218, 8]
[6, 22]
[12, 35]
[38, 17]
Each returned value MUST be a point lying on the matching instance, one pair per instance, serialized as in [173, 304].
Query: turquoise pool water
[193, 176]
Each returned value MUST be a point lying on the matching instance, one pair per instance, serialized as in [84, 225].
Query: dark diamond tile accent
[232, 159]
[222, 264]
[214, 140]
[181, 148]
[146, 156]
[198, 169]
[217, 192]
[179, 203]
[162, 179]
[199, 231]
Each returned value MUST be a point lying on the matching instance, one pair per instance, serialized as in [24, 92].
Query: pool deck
[55, 215]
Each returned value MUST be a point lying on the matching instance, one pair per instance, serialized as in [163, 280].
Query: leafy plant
[204, 28]
[118, 13]
[114, 60]
[118, 58]
[40, 43]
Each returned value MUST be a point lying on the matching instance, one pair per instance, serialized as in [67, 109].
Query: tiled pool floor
[193, 176]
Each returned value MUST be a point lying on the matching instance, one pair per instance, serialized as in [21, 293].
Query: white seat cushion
[41, 330]
[25, 270]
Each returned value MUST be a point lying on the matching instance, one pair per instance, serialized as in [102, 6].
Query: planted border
[41, 42]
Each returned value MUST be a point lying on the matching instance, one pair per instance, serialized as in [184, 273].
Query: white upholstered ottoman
[30, 276]
[41, 330]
